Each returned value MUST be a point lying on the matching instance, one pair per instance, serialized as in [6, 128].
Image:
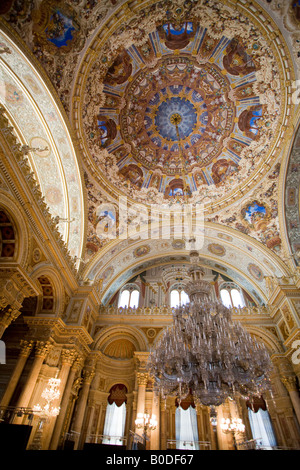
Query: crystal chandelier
[44, 413]
[206, 353]
[143, 421]
[50, 394]
[232, 425]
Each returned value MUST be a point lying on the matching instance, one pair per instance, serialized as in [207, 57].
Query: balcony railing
[168, 311]
[9, 413]
[103, 439]
[188, 445]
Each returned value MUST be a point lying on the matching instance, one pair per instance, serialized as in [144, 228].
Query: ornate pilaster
[288, 378]
[67, 404]
[67, 359]
[142, 378]
[41, 350]
[88, 375]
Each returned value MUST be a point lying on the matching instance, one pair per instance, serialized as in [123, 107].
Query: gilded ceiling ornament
[208, 65]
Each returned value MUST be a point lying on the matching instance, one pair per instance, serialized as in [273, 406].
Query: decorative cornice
[29, 180]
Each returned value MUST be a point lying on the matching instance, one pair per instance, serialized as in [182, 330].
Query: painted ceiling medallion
[197, 96]
[218, 82]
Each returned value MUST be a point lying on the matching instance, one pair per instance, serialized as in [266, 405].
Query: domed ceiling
[170, 102]
[185, 104]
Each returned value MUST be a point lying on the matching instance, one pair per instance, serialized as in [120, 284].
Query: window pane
[184, 298]
[225, 298]
[174, 298]
[237, 298]
[114, 424]
[134, 299]
[186, 429]
[262, 430]
[124, 299]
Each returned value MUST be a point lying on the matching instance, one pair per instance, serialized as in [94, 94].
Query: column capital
[88, 376]
[26, 347]
[68, 356]
[8, 315]
[78, 362]
[142, 378]
[42, 348]
[289, 382]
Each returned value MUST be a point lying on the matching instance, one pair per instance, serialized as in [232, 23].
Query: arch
[129, 296]
[47, 305]
[238, 256]
[270, 341]
[49, 139]
[289, 194]
[232, 294]
[20, 228]
[110, 334]
[49, 280]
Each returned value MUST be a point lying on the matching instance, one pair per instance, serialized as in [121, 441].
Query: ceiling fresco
[168, 102]
[222, 83]
[227, 251]
[40, 125]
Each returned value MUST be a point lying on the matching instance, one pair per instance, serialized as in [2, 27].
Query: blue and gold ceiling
[212, 84]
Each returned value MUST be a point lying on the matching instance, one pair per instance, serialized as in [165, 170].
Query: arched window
[261, 427]
[114, 426]
[186, 424]
[237, 299]
[260, 423]
[186, 429]
[178, 297]
[225, 297]
[129, 297]
[232, 296]
[124, 298]
[184, 298]
[175, 298]
[134, 299]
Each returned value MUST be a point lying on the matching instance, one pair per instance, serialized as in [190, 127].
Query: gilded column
[200, 423]
[88, 376]
[142, 379]
[290, 383]
[129, 409]
[26, 347]
[67, 359]
[77, 364]
[163, 426]
[154, 442]
[91, 415]
[41, 351]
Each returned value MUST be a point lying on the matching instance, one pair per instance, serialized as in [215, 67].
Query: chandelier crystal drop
[206, 353]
